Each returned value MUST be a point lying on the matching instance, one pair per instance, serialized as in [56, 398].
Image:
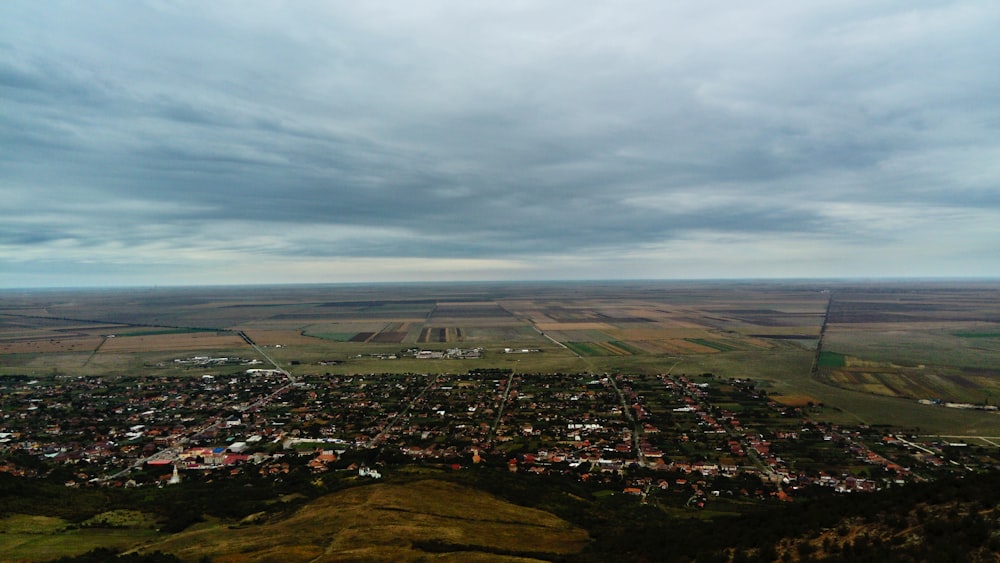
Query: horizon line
[844, 279]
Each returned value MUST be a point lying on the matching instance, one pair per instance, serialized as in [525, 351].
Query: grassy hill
[492, 515]
[398, 522]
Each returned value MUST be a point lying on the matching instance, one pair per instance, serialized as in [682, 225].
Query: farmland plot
[170, 342]
[51, 345]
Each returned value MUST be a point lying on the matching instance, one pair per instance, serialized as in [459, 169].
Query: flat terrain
[884, 346]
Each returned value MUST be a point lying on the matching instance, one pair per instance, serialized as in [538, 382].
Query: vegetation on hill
[489, 513]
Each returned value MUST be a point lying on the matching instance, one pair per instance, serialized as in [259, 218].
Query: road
[392, 423]
[629, 415]
[503, 403]
[557, 343]
[171, 452]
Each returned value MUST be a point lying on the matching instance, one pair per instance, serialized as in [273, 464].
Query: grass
[40, 538]
[400, 518]
[977, 334]
[711, 344]
[120, 519]
[160, 331]
[831, 360]
[785, 371]
[909, 346]
[335, 336]
[627, 347]
[588, 349]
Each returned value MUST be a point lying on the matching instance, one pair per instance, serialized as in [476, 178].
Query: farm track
[104, 339]
[814, 370]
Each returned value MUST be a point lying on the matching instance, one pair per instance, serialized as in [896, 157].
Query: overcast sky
[174, 142]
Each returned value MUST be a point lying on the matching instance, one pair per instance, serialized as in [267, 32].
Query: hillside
[495, 515]
[386, 522]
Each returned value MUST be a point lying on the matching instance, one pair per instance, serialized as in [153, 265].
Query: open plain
[516, 421]
[885, 346]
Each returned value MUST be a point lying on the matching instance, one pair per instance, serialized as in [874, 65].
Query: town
[667, 438]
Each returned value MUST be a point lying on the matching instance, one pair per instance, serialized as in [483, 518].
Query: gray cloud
[160, 136]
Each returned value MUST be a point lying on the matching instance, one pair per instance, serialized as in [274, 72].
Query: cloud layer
[232, 142]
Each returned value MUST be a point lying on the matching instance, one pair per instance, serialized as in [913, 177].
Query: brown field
[794, 400]
[388, 337]
[171, 342]
[573, 326]
[46, 345]
[440, 334]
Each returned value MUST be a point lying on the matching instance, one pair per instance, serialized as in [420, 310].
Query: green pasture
[915, 347]
[785, 371]
[831, 360]
[977, 334]
[588, 349]
[41, 538]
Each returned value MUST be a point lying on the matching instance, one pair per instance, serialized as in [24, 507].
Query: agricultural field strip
[109, 323]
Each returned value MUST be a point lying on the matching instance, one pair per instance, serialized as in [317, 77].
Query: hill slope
[435, 519]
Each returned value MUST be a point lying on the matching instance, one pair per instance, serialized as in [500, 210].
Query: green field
[587, 349]
[831, 360]
[40, 538]
[977, 334]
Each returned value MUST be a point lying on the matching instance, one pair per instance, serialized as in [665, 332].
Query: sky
[233, 142]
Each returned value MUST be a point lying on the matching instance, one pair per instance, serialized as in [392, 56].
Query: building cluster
[690, 435]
